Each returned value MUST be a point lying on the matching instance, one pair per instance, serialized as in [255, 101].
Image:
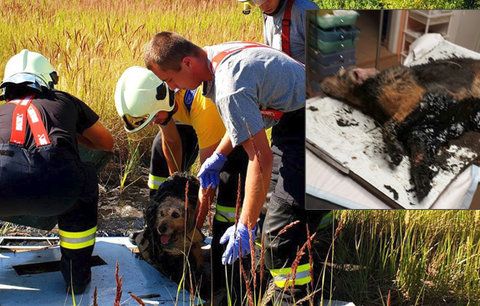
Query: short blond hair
[167, 50]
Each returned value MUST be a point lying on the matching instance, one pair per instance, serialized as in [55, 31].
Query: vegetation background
[379, 257]
[91, 43]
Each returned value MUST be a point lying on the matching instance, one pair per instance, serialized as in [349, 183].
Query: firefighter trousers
[287, 206]
[158, 164]
[51, 181]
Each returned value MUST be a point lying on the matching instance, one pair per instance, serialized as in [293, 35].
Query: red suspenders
[217, 59]
[286, 22]
[25, 110]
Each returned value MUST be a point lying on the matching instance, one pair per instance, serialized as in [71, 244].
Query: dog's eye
[175, 214]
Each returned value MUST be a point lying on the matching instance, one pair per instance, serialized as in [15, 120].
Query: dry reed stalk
[308, 297]
[262, 261]
[286, 228]
[137, 299]
[210, 216]
[338, 230]
[245, 277]
[296, 262]
[119, 282]
[95, 297]
[269, 292]
[252, 258]
[185, 252]
[238, 203]
[310, 256]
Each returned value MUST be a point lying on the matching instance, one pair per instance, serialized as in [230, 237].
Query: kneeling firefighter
[190, 125]
[40, 169]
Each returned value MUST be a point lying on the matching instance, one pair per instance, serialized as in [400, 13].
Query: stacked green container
[331, 41]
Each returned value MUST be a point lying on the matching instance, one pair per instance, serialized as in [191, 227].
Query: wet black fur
[435, 118]
[435, 76]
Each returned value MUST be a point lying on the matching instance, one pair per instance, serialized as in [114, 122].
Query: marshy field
[377, 258]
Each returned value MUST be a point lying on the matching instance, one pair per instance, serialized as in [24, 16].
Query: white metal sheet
[49, 288]
[358, 147]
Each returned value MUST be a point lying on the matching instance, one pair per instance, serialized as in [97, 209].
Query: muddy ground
[120, 212]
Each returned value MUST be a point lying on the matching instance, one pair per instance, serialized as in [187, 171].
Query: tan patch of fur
[462, 94]
[476, 86]
[399, 98]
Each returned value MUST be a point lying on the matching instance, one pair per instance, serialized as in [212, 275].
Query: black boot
[77, 274]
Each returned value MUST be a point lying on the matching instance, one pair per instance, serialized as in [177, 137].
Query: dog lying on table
[420, 108]
[170, 230]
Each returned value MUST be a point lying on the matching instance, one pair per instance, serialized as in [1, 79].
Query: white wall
[465, 29]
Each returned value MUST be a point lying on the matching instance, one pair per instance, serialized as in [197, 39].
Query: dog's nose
[162, 228]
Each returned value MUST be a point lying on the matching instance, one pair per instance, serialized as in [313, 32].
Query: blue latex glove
[209, 174]
[234, 240]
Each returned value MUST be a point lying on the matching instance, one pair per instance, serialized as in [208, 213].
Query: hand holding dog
[235, 238]
[209, 174]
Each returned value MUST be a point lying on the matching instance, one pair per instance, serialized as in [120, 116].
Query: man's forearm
[256, 187]
[225, 145]
[172, 148]
[259, 171]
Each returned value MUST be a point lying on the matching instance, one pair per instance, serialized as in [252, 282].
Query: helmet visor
[134, 123]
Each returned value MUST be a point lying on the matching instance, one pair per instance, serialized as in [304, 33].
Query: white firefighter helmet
[31, 68]
[139, 96]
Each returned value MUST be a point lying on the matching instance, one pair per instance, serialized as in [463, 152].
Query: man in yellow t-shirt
[196, 128]
[189, 125]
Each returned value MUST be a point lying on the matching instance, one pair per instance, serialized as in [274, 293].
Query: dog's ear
[191, 217]
[193, 188]
[150, 214]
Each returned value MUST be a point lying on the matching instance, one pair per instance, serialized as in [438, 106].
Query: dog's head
[342, 85]
[171, 212]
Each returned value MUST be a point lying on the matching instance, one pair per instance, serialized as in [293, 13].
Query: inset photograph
[393, 117]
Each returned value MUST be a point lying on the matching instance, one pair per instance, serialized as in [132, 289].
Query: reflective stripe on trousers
[77, 240]
[283, 277]
[155, 181]
[225, 214]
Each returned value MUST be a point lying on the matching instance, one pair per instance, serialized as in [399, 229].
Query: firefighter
[254, 87]
[40, 169]
[189, 123]
[284, 25]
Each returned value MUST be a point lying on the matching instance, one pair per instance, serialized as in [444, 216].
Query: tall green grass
[421, 257]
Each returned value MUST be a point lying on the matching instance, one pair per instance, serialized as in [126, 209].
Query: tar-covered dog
[420, 108]
[170, 230]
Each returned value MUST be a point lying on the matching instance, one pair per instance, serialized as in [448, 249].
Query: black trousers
[53, 182]
[158, 163]
[230, 190]
[287, 201]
